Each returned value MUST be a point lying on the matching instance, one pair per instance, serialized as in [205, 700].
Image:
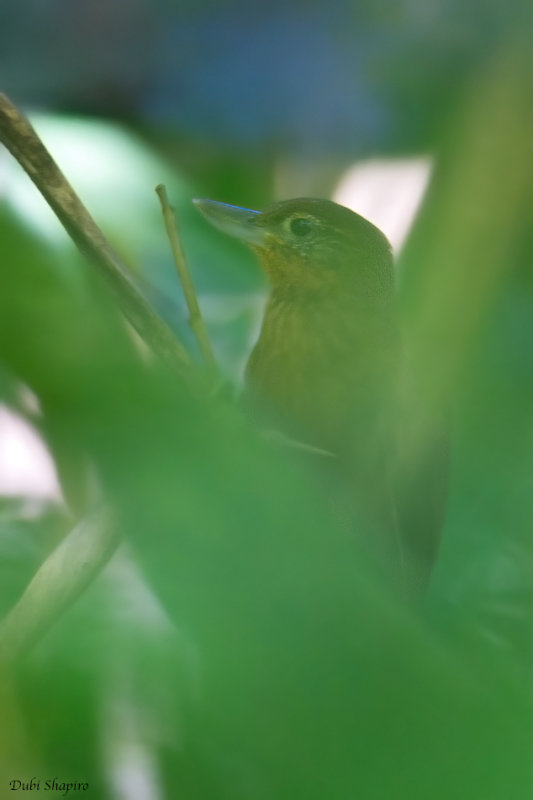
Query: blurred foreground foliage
[266, 660]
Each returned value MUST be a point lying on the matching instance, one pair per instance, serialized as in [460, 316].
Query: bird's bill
[233, 220]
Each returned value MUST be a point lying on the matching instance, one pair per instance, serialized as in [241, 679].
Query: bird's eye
[300, 226]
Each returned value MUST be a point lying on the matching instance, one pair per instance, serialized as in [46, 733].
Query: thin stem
[17, 134]
[59, 581]
[196, 320]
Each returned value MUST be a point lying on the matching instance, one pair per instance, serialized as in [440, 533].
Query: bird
[329, 370]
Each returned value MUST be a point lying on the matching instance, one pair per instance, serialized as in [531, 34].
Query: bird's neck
[335, 313]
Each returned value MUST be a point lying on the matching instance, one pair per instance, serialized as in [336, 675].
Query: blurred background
[235, 646]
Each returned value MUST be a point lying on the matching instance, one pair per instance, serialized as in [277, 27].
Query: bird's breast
[322, 370]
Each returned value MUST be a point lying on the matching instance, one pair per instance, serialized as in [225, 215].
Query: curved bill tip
[233, 220]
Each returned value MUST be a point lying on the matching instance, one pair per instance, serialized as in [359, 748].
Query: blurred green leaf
[266, 659]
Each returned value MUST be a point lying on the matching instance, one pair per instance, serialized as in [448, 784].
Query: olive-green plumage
[328, 365]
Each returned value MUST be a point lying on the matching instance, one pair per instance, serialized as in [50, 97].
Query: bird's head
[310, 245]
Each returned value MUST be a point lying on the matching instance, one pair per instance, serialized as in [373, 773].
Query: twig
[277, 438]
[17, 134]
[195, 315]
[60, 580]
